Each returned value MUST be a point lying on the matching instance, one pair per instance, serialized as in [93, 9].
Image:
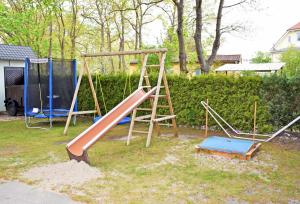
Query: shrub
[232, 97]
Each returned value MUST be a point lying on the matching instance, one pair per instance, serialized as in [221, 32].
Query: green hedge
[232, 97]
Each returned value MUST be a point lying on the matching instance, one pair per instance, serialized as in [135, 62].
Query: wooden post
[206, 119]
[133, 116]
[254, 120]
[155, 102]
[171, 109]
[71, 112]
[73, 101]
[92, 88]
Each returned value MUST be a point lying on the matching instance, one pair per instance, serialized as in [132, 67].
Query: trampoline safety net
[49, 87]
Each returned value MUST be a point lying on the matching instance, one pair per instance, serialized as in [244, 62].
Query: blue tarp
[224, 144]
[123, 121]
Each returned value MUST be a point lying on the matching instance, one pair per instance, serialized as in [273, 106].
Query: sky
[267, 25]
[264, 26]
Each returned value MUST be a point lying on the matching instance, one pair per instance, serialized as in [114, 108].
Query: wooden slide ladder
[153, 119]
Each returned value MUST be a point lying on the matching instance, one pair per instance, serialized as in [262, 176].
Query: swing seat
[123, 121]
[228, 147]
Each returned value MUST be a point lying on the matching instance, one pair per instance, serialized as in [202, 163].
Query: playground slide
[77, 148]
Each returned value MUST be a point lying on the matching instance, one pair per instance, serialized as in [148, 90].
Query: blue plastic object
[123, 121]
[228, 145]
[46, 113]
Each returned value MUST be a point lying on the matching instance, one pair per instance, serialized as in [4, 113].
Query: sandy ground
[56, 176]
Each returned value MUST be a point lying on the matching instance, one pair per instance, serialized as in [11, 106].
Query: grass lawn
[167, 172]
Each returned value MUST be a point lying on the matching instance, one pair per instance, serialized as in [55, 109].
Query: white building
[291, 38]
[260, 69]
[12, 62]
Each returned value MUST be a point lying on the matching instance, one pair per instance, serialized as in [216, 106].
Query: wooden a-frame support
[153, 119]
[71, 112]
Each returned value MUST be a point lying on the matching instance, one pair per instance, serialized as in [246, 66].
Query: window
[289, 39]
[14, 76]
[298, 36]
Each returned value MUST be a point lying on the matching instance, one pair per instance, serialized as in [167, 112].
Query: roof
[251, 67]
[295, 27]
[273, 50]
[228, 58]
[11, 52]
[221, 58]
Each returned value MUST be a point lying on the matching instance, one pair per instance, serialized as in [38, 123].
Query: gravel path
[19, 193]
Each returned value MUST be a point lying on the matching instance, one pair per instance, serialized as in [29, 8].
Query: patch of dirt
[63, 142]
[292, 201]
[288, 140]
[118, 138]
[9, 150]
[169, 159]
[260, 165]
[56, 176]
[183, 137]
[235, 201]
[5, 117]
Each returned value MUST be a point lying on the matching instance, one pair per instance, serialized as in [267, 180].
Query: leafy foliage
[261, 57]
[292, 62]
[232, 97]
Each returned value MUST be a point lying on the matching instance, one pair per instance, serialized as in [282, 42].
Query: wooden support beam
[73, 101]
[143, 117]
[254, 120]
[206, 118]
[162, 58]
[139, 131]
[144, 109]
[164, 118]
[153, 65]
[133, 116]
[84, 112]
[71, 112]
[131, 52]
[92, 88]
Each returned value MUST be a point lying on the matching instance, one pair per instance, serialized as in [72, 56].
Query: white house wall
[2, 80]
[288, 40]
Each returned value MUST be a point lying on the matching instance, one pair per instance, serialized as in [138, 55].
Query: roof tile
[295, 27]
[11, 52]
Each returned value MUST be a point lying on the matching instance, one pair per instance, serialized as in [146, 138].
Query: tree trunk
[205, 65]
[216, 44]
[198, 37]
[109, 46]
[180, 35]
[73, 28]
[122, 42]
[50, 39]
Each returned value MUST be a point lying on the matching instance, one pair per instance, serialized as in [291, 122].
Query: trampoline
[49, 85]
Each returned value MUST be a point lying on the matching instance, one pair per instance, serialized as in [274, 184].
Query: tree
[291, 57]
[25, 23]
[219, 31]
[181, 43]
[261, 57]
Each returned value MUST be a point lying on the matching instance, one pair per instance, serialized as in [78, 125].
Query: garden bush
[233, 98]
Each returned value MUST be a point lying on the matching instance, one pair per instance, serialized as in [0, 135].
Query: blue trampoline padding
[224, 144]
[123, 121]
[46, 113]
